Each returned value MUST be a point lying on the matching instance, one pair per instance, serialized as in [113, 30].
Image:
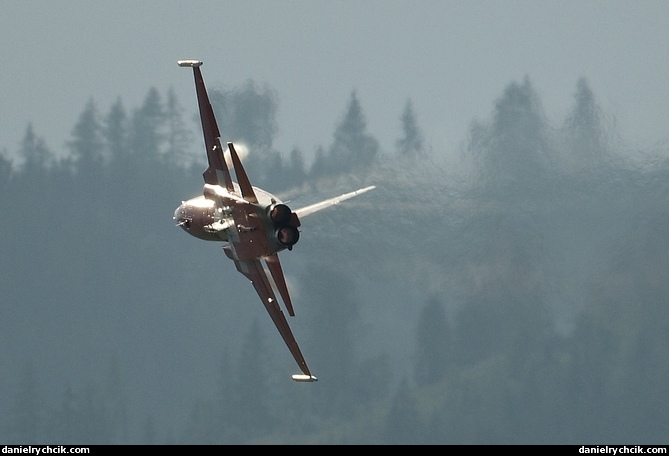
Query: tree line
[517, 299]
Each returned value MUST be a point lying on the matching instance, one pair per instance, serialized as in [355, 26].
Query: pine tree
[332, 298]
[434, 344]
[36, 156]
[353, 147]
[253, 118]
[225, 402]
[146, 140]
[296, 166]
[403, 424]
[246, 114]
[115, 132]
[147, 129]
[5, 169]
[251, 410]
[320, 165]
[86, 143]
[87, 146]
[583, 128]
[514, 147]
[411, 144]
[179, 137]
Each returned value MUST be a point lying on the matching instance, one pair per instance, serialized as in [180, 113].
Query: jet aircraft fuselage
[211, 217]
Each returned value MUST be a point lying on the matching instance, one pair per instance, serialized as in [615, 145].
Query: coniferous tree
[434, 345]
[513, 148]
[351, 140]
[619, 343]
[37, 157]
[179, 137]
[87, 159]
[115, 132]
[146, 139]
[34, 180]
[5, 169]
[247, 117]
[411, 144]
[146, 133]
[511, 385]
[332, 338]
[583, 128]
[319, 167]
[271, 171]
[87, 146]
[246, 114]
[297, 169]
[403, 424]
[252, 414]
[353, 148]
[225, 402]
[253, 116]
[506, 312]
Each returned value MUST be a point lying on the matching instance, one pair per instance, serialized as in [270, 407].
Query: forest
[516, 295]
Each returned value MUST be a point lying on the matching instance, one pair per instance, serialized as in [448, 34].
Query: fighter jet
[253, 224]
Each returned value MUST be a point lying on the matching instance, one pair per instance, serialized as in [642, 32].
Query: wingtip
[189, 63]
[304, 378]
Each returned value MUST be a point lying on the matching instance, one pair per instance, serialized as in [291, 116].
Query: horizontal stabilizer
[304, 378]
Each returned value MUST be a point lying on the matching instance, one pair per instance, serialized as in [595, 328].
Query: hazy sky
[453, 59]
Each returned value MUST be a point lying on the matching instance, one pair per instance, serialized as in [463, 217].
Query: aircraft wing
[304, 211]
[247, 248]
[255, 272]
[217, 173]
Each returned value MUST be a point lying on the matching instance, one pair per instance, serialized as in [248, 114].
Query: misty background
[510, 287]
